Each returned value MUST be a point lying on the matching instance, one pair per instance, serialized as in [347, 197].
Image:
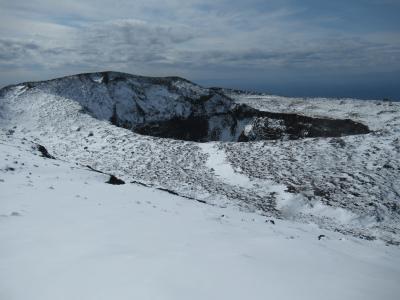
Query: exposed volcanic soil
[244, 124]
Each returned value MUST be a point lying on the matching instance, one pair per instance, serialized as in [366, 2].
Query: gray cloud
[17, 52]
[121, 41]
[326, 53]
[131, 41]
[134, 43]
[214, 38]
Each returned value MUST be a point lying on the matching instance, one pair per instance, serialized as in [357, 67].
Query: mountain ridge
[344, 183]
[177, 108]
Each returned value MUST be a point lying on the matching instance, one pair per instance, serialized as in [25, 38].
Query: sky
[341, 48]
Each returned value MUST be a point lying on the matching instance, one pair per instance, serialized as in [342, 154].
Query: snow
[218, 162]
[294, 205]
[289, 204]
[97, 78]
[66, 234]
[247, 129]
[374, 113]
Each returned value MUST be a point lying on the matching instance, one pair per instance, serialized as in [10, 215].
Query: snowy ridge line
[163, 106]
[101, 76]
[364, 111]
[88, 167]
[169, 191]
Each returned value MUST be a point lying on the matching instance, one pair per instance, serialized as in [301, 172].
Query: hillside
[67, 234]
[224, 190]
[346, 182]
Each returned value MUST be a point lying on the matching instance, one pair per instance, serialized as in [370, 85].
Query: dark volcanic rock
[44, 152]
[244, 124]
[114, 180]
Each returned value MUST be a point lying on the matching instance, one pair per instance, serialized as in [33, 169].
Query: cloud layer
[193, 38]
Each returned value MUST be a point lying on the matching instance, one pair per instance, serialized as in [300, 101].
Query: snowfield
[66, 234]
[307, 218]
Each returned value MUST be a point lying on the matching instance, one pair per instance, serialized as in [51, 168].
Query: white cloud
[155, 37]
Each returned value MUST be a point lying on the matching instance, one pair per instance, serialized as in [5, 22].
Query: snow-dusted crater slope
[66, 234]
[335, 163]
[173, 107]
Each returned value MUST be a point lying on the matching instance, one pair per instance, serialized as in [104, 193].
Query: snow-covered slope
[132, 98]
[173, 107]
[66, 234]
[348, 184]
[132, 101]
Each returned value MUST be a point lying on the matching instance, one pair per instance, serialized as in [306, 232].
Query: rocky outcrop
[278, 126]
[244, 124]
